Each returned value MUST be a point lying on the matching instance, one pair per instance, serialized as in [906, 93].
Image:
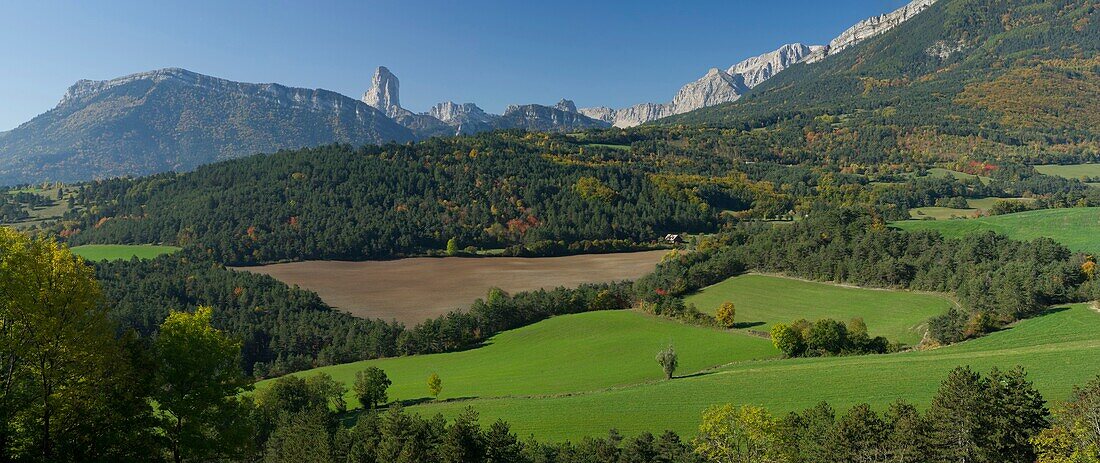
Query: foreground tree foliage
[972, 418]
[198, 378]
[70, 390]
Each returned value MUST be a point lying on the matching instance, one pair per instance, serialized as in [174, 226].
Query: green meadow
[939, 172]
[944, 213]
[1059, 350]
[1070, 170]
[762, 301]
[561, 355]
[1077, 228]
[98, 252]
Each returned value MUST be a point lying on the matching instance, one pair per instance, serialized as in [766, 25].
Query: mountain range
[449, 118]
[725, 86]
[175, 120]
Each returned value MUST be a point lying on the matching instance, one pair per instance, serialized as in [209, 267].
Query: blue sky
[493, 53]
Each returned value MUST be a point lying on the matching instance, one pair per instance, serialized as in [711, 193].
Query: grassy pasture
[939, 172]
[944, 213]
[765, 300]
[1059, 350]
[564, 354]
[1077, 228]
[97, 252]
[616, 147]
[54, 211]
[1070, 170]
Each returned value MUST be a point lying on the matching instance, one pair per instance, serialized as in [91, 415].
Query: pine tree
[1019, 413]
[501, 446]
[464, 441]
[959, 418]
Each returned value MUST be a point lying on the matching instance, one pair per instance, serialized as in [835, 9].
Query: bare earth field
[413, 290]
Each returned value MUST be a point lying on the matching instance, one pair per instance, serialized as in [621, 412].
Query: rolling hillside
[1059, 350]
[603, 349]
[764, 300]
[1077, 228]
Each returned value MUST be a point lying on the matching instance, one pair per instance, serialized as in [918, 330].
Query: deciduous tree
[726, 315]
[668, 361]
[199, 378]
[371, 386]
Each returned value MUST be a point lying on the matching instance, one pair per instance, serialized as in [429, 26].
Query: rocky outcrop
[718, 87]
[566, 105]
[871, 27]
[757, 69]
[465, 118]
[385, 93]
[715, 87]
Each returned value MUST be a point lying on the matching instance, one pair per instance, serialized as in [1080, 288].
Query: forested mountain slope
[1013, 72]
[338, 202]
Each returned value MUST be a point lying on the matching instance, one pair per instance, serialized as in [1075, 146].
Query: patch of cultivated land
[564, 354]
[764, 300]
[1077, 228]
[1059, 350]
[97, 252]
[939, 172]
[413, 290]
[943, 213]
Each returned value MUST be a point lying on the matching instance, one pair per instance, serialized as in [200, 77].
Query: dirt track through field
[412, 290]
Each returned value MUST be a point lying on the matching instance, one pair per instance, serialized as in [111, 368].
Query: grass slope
[767, 300]
[1077, 228]
[1070, 170]
[97, 252]
[563, 354]
[944, 213]
[1059, 350]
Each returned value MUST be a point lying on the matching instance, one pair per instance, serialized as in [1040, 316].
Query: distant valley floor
[413, 290]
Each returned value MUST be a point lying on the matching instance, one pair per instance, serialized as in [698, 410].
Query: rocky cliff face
[385, 93]
[718, 87]
[871, 27]
[757, 69]
[547, 118]
[465, 118]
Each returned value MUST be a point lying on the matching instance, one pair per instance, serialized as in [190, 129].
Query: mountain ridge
[755, 70]
[174, 119]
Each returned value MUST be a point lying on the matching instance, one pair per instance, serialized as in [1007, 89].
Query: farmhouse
[674, 239]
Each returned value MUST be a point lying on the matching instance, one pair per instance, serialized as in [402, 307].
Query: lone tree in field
[435, 385]
[667, 359]
[370, 387]
[725, 315]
